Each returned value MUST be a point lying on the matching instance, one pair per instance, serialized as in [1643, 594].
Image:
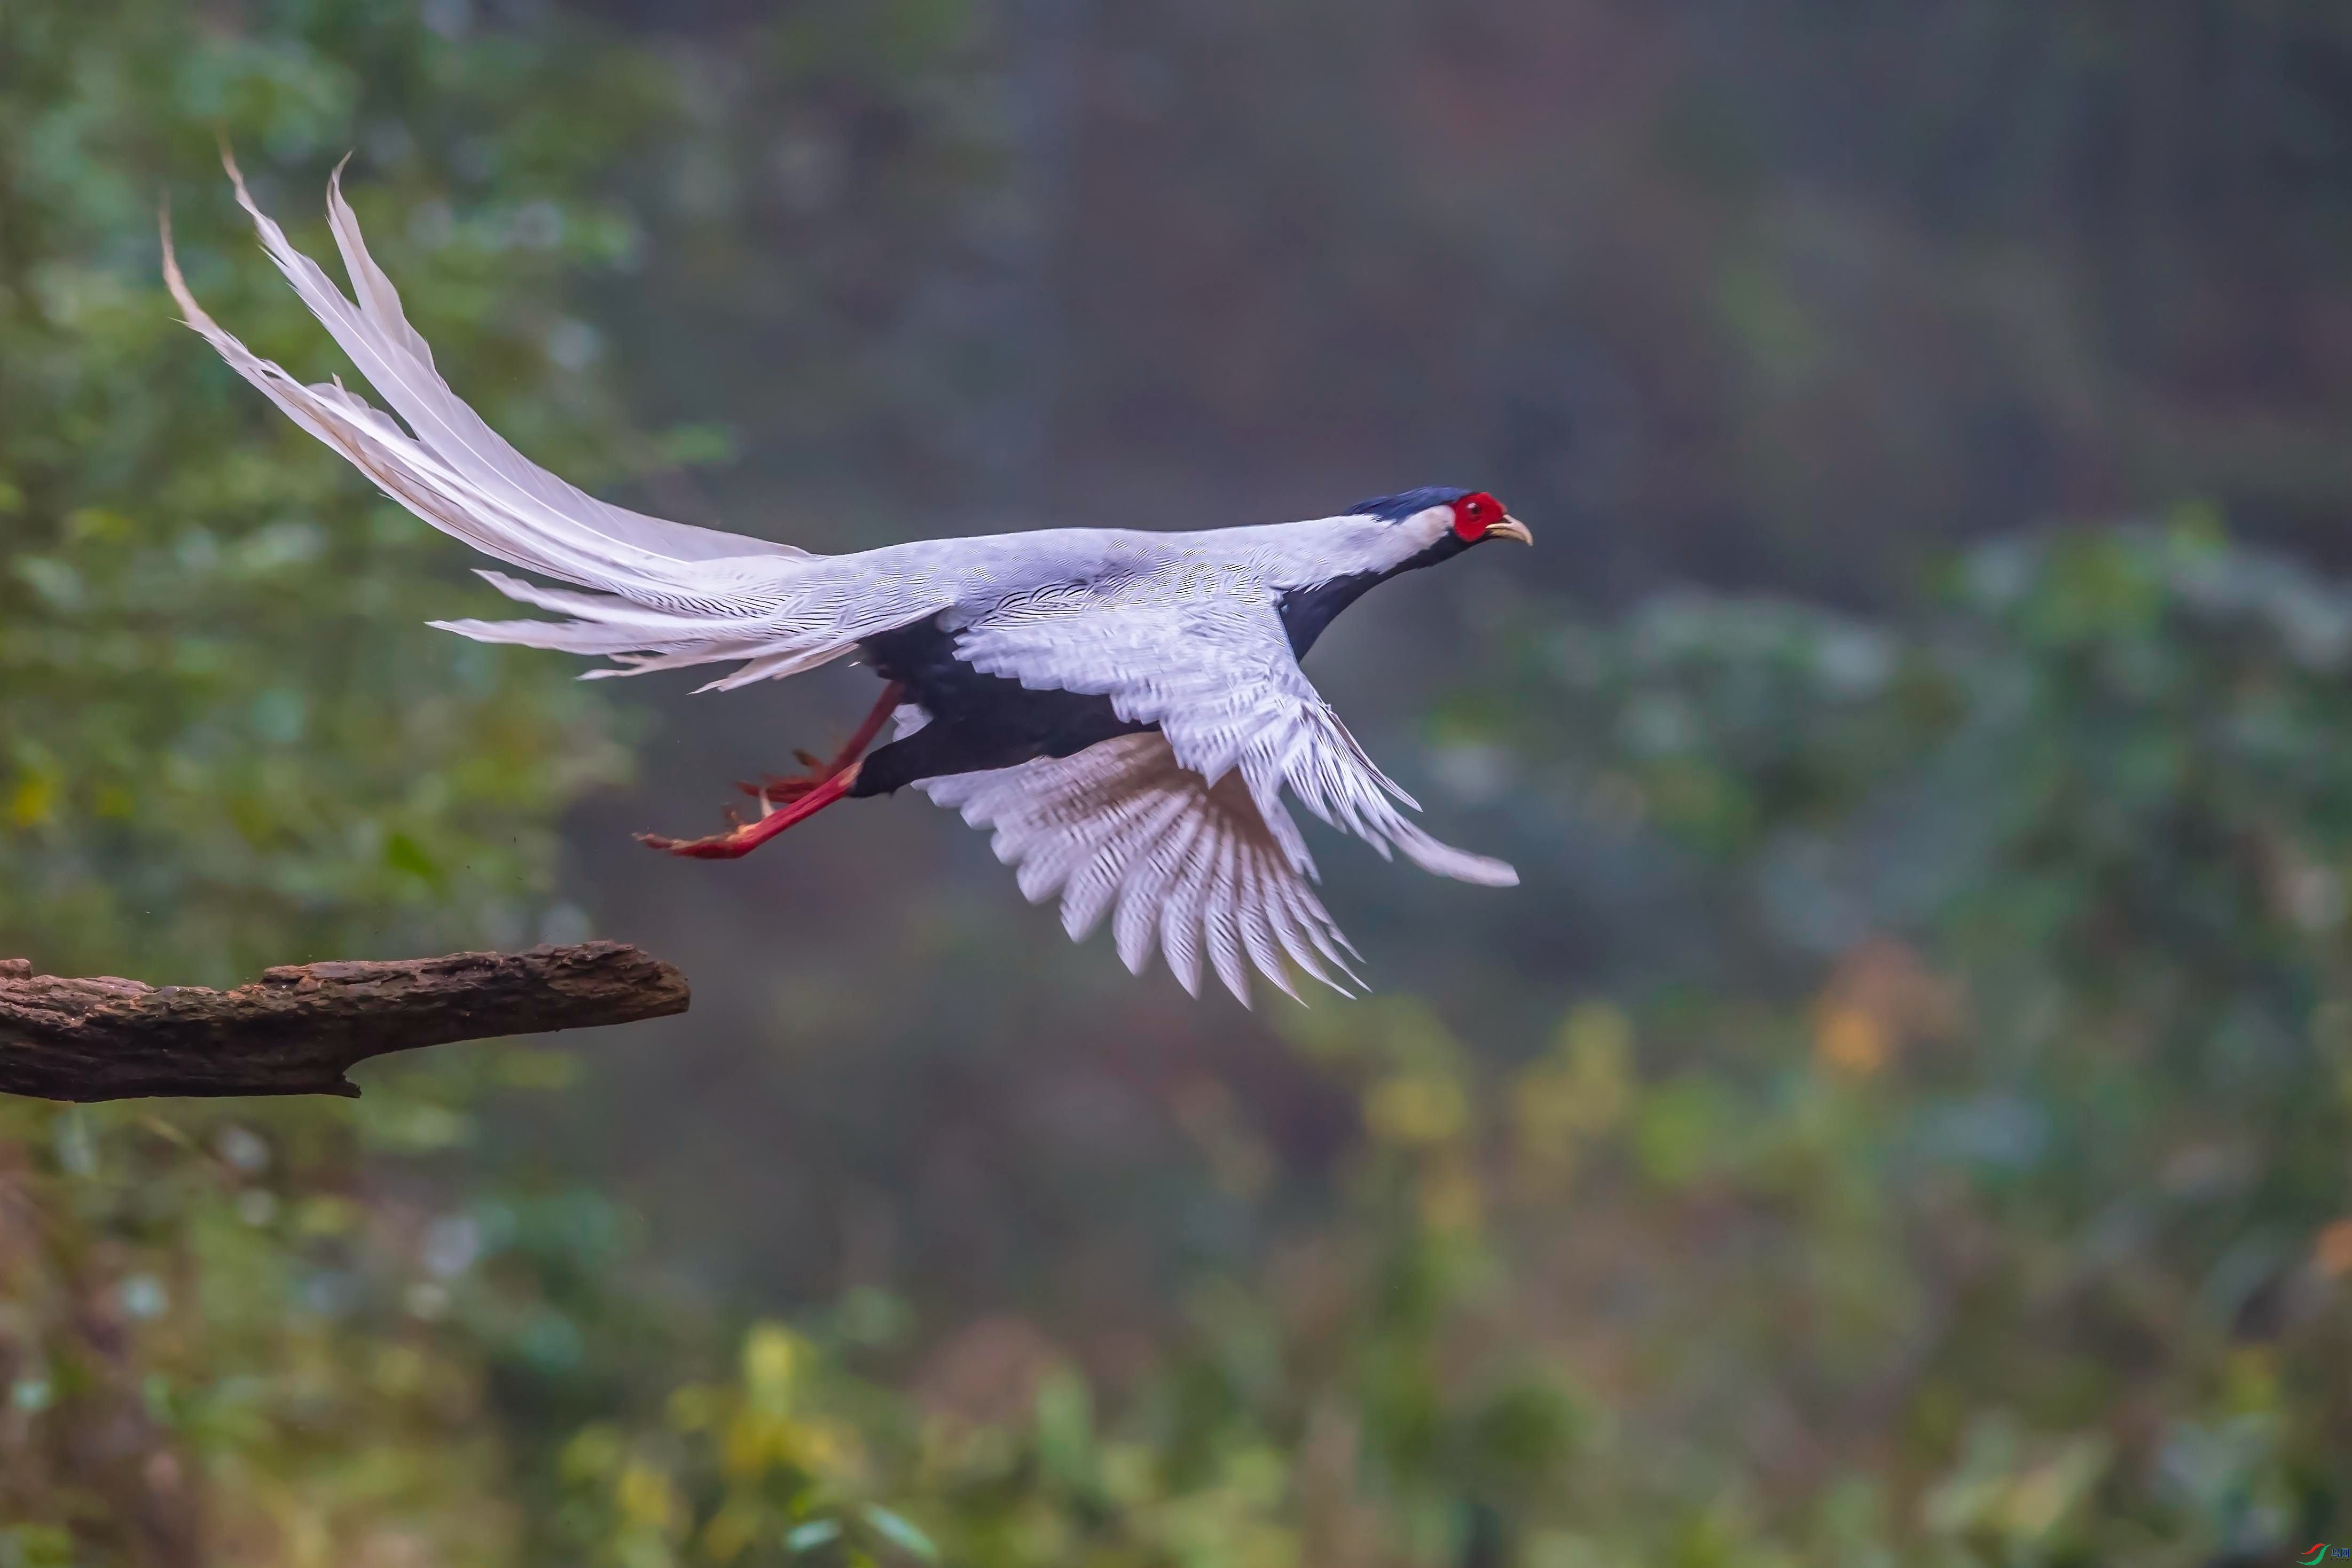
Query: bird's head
[1375, 540]
[1421, 527]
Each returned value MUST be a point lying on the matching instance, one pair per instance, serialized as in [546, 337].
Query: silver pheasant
[1124, 709]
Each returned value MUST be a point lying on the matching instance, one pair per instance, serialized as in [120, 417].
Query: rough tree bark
[300, 1027]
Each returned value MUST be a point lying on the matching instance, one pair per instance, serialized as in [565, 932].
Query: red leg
[782, 790]
[749, 835]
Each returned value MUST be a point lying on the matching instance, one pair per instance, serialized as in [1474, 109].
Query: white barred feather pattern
[1123, 828]
[1237, 701]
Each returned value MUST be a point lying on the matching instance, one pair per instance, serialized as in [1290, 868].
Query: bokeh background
[1901, 1119]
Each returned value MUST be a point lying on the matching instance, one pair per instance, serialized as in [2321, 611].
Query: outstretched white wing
[1206, 659]
[1192, 867]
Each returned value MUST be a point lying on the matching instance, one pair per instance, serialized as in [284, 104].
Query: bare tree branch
[300, 1027]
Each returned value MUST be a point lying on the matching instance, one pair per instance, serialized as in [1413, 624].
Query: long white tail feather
[396, 361]
[670, 594]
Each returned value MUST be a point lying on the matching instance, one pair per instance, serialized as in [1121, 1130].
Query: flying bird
[1124, 709]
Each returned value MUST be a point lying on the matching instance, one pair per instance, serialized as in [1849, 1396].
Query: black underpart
[978, 722]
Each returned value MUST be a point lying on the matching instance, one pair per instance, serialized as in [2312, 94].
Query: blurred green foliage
[226, 740]
[226, 730]
[1967, 1188]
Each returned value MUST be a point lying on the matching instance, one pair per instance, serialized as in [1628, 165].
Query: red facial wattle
[1473, 514]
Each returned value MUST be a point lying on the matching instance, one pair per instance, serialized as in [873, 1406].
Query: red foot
[780, 790]
[802, 797]
[747, 837]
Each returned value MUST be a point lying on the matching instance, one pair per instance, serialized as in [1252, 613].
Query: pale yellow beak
[1509, 528]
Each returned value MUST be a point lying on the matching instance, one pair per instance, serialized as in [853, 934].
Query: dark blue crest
[1404, 503]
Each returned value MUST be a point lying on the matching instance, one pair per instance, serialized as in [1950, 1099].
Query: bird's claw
[741, 838]
[718, 847]
[780, 790]
[784, 801]
[784, 789]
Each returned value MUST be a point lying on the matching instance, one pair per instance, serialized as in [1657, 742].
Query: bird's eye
[1470, 517]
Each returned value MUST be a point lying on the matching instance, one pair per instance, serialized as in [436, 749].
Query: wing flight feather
[1124, 828]
[1214, 670]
